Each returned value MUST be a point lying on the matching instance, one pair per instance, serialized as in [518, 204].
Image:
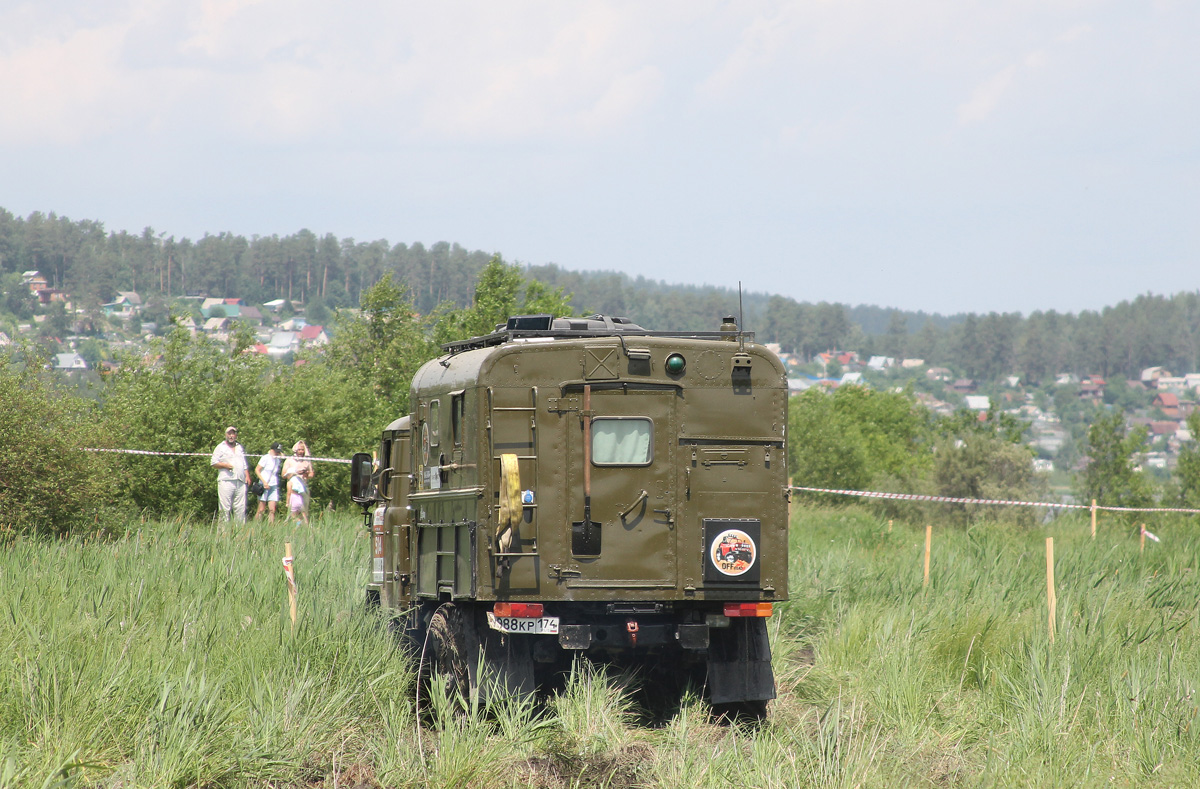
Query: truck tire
[447, 655]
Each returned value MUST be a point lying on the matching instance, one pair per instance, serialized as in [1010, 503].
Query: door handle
[641, 497]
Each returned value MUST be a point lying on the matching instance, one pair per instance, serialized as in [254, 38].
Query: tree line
[92, 264]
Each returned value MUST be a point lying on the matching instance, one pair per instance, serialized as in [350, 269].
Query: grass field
[166, 658]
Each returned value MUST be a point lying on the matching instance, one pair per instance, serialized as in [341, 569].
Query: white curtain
[621, 442]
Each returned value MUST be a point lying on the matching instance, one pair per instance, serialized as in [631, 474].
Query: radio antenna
[741, 320]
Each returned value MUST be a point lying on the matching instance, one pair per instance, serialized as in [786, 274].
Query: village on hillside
[87, 343]
[83, 340]
[1056, 413]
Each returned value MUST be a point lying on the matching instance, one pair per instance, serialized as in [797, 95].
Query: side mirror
[361, 483]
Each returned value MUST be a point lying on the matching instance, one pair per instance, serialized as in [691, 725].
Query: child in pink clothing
[296, 498]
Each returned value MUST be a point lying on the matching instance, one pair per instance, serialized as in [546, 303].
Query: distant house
[275, 305]
[844, 358]
[313, 336]
[963, 386]
[125, 305]
[978, 402]
[283, 343]
[1163, 428]
[1151, 375]
[231, 308]
[218, 328]
[912, 364]
[1171, 383]
[250, 314]
[1168, 403]
[798, 385]
[34, 281]
[937, 374]
[4, 340]
[69, 361]
[293, 324]
[1091, 391]
[881, 362]
[851, 379]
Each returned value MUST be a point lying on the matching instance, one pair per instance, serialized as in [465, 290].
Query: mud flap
[507, 664]
[739, 662]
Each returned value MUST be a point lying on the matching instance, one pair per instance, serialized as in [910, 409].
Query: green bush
[855, 437]
[48, 484]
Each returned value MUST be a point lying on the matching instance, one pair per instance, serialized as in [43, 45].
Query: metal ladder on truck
[529, 461]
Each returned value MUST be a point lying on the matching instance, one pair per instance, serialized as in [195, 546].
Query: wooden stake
[1093, 519]
[1142, 540]
[290, 572]
[1051, 598]
[889, 527]
[928, 545]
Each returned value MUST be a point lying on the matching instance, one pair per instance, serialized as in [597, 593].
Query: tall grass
[165, 656]
[960, 679]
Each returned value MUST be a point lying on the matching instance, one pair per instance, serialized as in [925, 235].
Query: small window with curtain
[622, 441]
[457, 413]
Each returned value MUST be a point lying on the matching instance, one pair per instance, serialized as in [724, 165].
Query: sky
[939, 155]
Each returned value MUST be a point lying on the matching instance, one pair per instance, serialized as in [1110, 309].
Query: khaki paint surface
[719, 452]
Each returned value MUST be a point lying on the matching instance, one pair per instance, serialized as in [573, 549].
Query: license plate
[545, 625]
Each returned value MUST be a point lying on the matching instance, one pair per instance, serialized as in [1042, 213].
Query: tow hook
[632, 627]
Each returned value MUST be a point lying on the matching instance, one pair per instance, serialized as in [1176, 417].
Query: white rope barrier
[199, 454]
[874, 494]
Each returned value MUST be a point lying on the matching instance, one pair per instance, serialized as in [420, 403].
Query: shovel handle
[587, 441]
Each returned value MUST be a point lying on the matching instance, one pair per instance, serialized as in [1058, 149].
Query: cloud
[989, 95]
[757, 46]
[269, 70]
[63, 88]
[986, 97]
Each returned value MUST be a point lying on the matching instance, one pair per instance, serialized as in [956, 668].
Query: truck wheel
[446, 656]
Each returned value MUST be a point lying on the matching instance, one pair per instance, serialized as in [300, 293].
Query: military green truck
[572, 487]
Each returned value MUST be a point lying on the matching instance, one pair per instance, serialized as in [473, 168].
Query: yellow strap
[510, 493]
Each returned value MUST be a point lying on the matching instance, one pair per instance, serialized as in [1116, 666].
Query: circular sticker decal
[733, 552]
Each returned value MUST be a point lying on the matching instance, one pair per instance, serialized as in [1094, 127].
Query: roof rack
[532, 326]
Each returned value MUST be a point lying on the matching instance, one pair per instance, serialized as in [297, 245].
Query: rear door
[628, 468]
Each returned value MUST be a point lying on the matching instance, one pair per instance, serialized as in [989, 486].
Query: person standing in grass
[298, 465]
[233, 476]
[268, 471]
[297, 498]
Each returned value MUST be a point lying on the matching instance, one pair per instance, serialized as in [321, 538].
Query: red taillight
[748, 609]
[519, 610]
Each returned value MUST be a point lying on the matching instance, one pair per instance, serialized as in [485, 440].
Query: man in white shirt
[233, 475]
